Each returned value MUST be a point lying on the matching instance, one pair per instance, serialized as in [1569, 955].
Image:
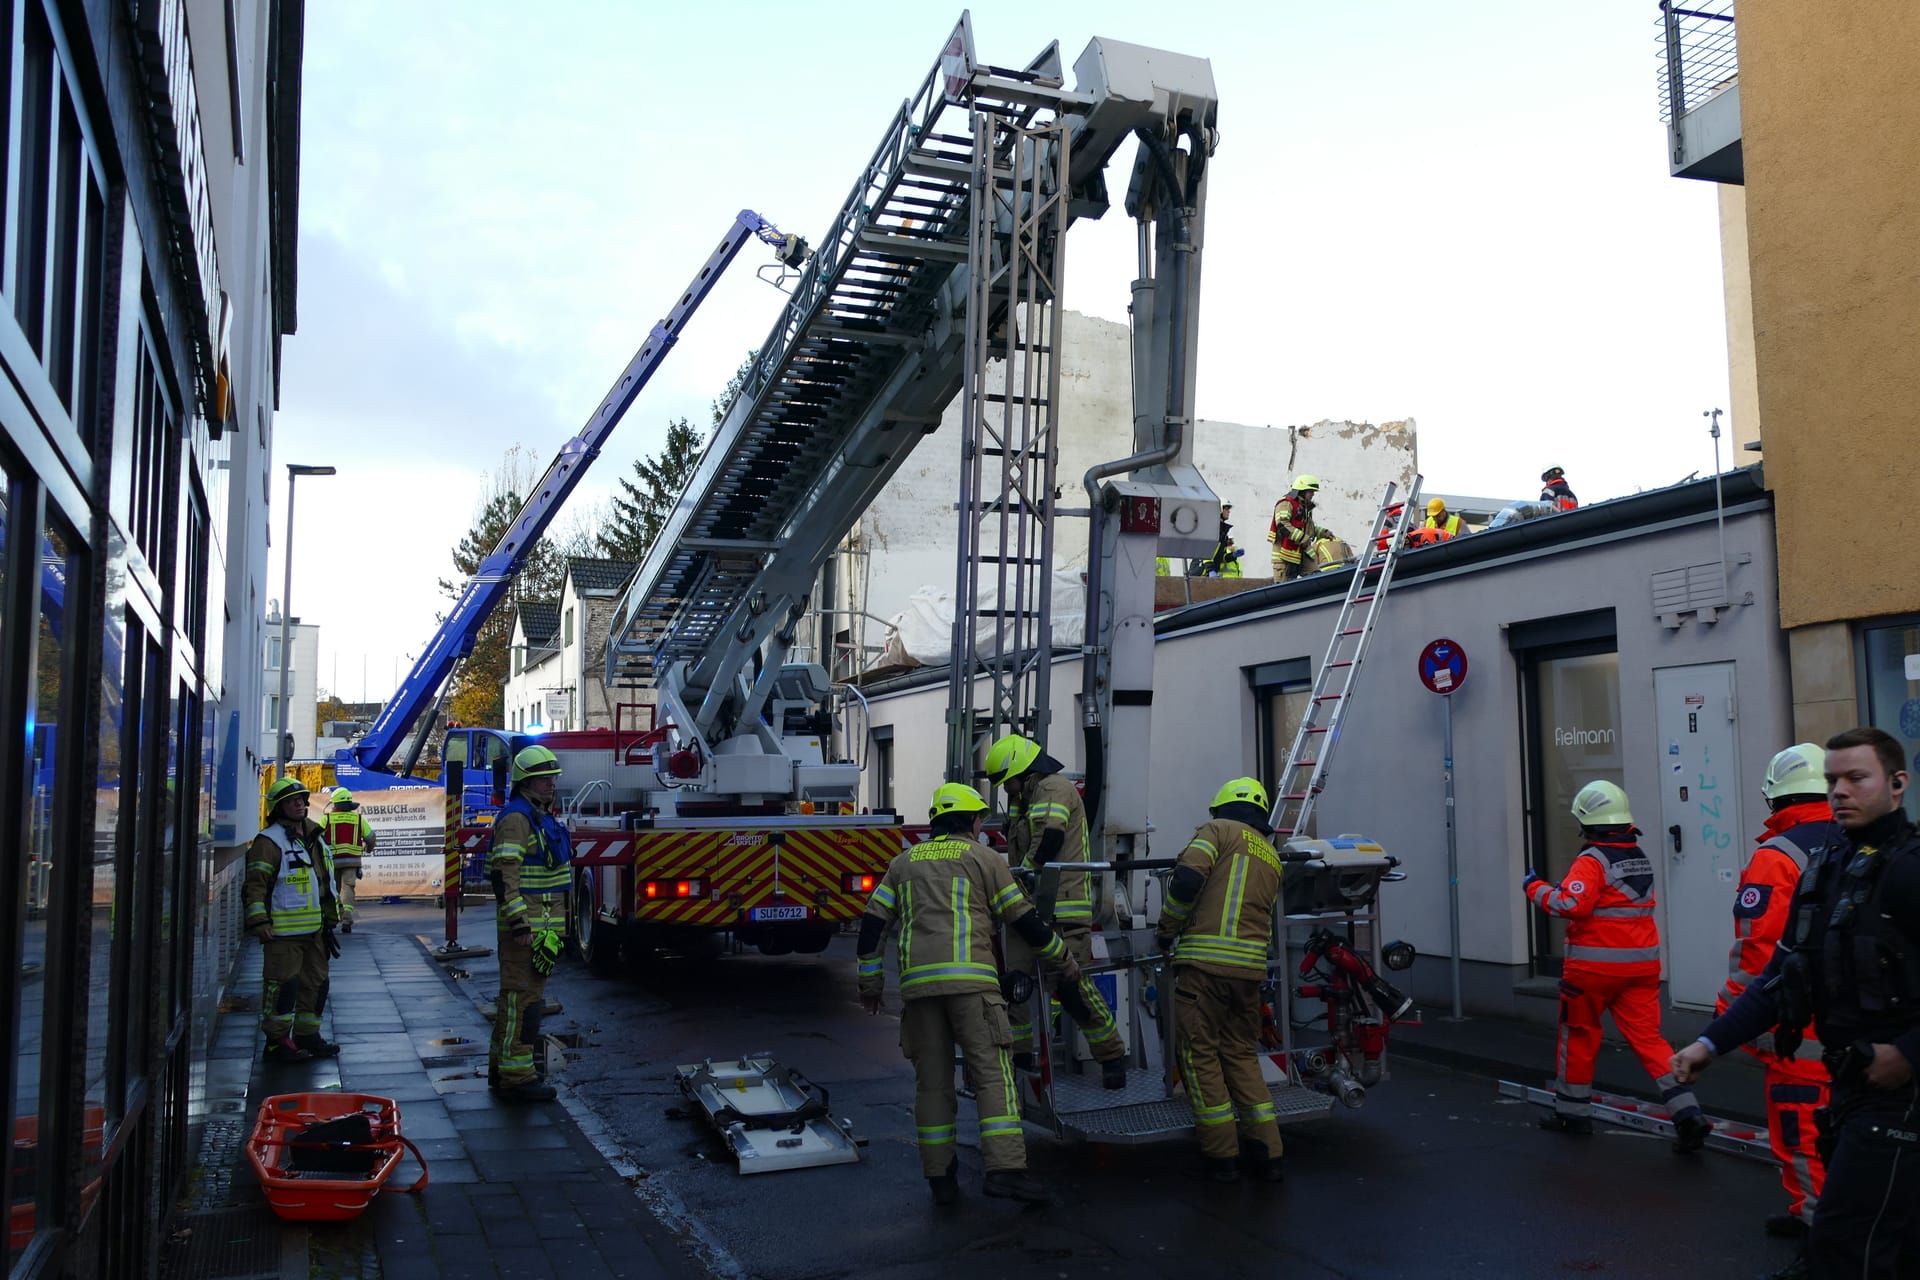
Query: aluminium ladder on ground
[1305, 775]
[1010, 429]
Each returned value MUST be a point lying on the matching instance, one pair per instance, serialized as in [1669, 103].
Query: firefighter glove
[1163, 943]
[332, 943]
[1531, 876]
[546, 950]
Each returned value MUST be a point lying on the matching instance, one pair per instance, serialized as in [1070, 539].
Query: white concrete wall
[303, 689]
[911, 527]
[1387, 780]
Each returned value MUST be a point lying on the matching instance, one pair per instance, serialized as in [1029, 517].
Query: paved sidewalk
[515, 1191]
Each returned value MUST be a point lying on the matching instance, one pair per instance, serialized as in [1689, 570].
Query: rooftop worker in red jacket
[1554, 489]
[1798, 834]
[1612, 964]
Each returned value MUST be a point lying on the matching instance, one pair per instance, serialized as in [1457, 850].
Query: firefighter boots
[1113, 1074]
[946, 1187]
[285, 1051]
[529, 1091]
[315, 1047]
[1016, 1184]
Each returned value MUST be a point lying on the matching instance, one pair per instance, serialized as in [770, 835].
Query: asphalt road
[1435, 1177]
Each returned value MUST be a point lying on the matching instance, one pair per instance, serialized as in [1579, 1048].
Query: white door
[1700, 828]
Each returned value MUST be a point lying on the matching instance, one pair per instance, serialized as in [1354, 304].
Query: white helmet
[1800, 770]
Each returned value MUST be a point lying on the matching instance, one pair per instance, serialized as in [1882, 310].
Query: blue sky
[1459, 213]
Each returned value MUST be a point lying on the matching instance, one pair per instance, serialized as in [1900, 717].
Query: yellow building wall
[1830, 127]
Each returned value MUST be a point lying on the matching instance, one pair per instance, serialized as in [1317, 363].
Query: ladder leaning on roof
[1305, 775]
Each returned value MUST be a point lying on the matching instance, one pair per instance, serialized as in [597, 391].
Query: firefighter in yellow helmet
[1439, 519]
[350, 837]
[946, 894]
[1215, 927]
[1046, 822]
[290, 907]
[528, 864]
[1293, 531]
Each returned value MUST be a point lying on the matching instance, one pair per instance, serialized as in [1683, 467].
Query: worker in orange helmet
[1554, 489]
[1612, 964]
[1798, 833]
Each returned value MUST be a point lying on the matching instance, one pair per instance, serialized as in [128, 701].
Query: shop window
[1890, 689]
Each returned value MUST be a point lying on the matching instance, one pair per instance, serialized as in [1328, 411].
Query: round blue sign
[1443, 666]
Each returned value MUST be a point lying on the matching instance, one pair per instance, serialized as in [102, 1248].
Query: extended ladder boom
[455, 637]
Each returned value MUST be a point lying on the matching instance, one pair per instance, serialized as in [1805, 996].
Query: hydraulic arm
[454, 640]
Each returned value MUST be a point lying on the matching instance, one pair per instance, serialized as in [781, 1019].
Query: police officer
[350, 837]
[946, 894]
[1047, 822]
[1216, 926]
[1799, 830]
[528, 864]
[290, 907]
[1612, 964]
[1852, 954]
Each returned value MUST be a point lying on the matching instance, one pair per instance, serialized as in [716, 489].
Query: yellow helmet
[285, 789]
[1010, 757]
[956, 797]
[340, 798]
[535, 762]
[1240, 791]
[1310, 484]
[1800, 770]
[1601, 804]
[1436, 507]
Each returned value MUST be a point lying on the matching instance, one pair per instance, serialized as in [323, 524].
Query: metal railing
[1698, 55]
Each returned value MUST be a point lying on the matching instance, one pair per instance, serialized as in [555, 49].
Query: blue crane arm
[455, 637]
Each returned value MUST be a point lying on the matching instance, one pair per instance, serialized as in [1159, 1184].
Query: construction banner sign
[407, 859]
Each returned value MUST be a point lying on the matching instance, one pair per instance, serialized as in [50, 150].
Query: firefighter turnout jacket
[1607, 901]
[1292, 529]
[1053, 803]
[1220, 901]
[1795, 838]
[350, 836]
[289, 883]
[528, 863]
[946, 894]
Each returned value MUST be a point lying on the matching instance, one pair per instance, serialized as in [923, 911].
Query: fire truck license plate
[776, 913]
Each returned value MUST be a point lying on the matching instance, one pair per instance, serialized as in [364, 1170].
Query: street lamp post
[294, 471]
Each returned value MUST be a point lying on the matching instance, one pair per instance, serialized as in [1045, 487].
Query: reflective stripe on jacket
[946, 894]
[1226, 928]
[1053, 804]
[1292, 528]
[289, 882]
[1607, 901]
[1794, 835]
[348, 833]
[529, 854]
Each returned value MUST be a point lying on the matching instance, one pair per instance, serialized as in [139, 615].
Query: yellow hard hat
[1436, 507]
[1309, 483]
[1010, 757]
[1800, 770]
[1602, 804]
[956, 797]
[285, 789]
[340, 797]
[1240, 791]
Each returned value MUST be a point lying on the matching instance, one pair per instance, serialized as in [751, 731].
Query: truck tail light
[654, 890]
[859, 883]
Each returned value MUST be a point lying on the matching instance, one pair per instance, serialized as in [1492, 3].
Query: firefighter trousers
[1081, 1000]
[1216, 1024]
[976, 1022]
[293, 979]
[516, 1015]
[1796, 1088]
[1634, 1002]
[344, 878]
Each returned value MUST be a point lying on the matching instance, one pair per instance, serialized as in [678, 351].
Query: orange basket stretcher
[310, 1195]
